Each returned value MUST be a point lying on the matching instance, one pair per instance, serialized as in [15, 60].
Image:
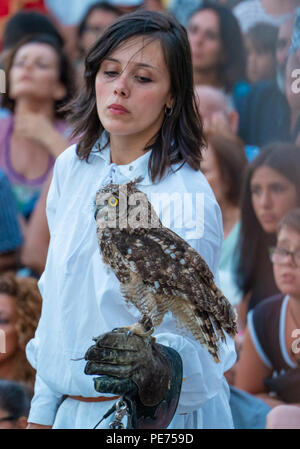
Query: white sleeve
[44, 404]
[45, 400]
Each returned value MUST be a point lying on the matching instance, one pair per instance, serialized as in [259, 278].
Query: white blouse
[82, 299]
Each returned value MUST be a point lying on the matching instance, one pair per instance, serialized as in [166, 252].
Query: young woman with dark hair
[218, 54]
[136, 119]
[271, 189]
[39, 82]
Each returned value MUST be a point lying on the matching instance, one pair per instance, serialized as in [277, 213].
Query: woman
[271, 189]
[20, 306]
[218, 54]
[38, 84]
[138, 111]
[270, 356]
[224, 165]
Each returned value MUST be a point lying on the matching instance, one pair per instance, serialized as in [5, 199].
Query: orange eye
[113, 201]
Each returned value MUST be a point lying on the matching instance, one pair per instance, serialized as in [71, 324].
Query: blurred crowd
[246, 68]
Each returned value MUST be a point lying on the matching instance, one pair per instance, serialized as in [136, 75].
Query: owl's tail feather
[198, 323]
[225, 313]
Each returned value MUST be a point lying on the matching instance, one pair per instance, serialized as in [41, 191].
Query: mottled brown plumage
[158, 270]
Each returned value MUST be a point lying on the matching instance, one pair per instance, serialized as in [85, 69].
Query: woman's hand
[38, 127]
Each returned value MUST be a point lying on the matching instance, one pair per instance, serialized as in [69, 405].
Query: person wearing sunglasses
[269, 365]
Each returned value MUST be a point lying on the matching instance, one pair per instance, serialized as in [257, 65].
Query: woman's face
[133, 88]
[8, 332]
[205, 40]
[286, 273]
[96, 23]
[210, 168]
[35, 73]
[273, 195]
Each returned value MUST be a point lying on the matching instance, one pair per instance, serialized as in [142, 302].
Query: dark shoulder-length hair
[231, 159]
[253, 244]
[233, 67]
[180, 138]
[64, 67]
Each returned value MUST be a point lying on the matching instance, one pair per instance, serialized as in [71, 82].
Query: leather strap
[96, 399]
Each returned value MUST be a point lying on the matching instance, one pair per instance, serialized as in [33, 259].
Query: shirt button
[130, 167]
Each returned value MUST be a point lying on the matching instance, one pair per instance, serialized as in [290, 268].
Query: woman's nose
[121, 87]
[265, 199]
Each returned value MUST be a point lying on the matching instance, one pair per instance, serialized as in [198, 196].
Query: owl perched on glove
[159, 272]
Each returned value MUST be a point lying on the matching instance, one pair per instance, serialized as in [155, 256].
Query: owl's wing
[170, 266]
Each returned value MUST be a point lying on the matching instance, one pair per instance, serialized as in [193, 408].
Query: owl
[159, 272]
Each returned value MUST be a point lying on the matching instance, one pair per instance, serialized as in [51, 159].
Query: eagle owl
[158, 270]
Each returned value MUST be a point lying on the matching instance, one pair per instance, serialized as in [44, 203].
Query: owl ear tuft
[135, 181]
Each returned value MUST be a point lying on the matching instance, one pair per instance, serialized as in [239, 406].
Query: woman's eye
[278, 188]
[110, 73]
[143, 79]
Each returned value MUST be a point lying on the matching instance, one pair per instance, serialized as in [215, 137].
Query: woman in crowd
[98, 16]
[38, 83]
[224, 165]
[218, 54]
[136, 118]
[14, 405]
[270, 356]
[271, 189]
[20, 307]
[260, 43]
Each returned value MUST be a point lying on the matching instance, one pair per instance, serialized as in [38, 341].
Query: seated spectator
[218, 112]
[284, 417]
[224, 165]
[10, 233]
[96, 19]
[38, 83]
[261, 52]
[282, 49]
[271, 189]
[20, 308]
[269, 365]
[14, 405]
[218, 54]
[275, 12]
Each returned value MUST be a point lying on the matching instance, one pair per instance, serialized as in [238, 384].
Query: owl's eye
[113, 201]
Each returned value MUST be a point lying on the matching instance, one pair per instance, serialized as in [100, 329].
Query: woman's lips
[117, 109]
[287, 278]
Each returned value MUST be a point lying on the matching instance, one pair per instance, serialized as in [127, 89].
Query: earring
[168, 111]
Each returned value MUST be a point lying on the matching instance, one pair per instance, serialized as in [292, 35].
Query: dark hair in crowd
[14, 399]
[99, 6]
[64, 67]
[290, 220]
[25, 23]
[230, 154]
[181, 137]
[232, 69]
[284, 158]
[263, 37]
